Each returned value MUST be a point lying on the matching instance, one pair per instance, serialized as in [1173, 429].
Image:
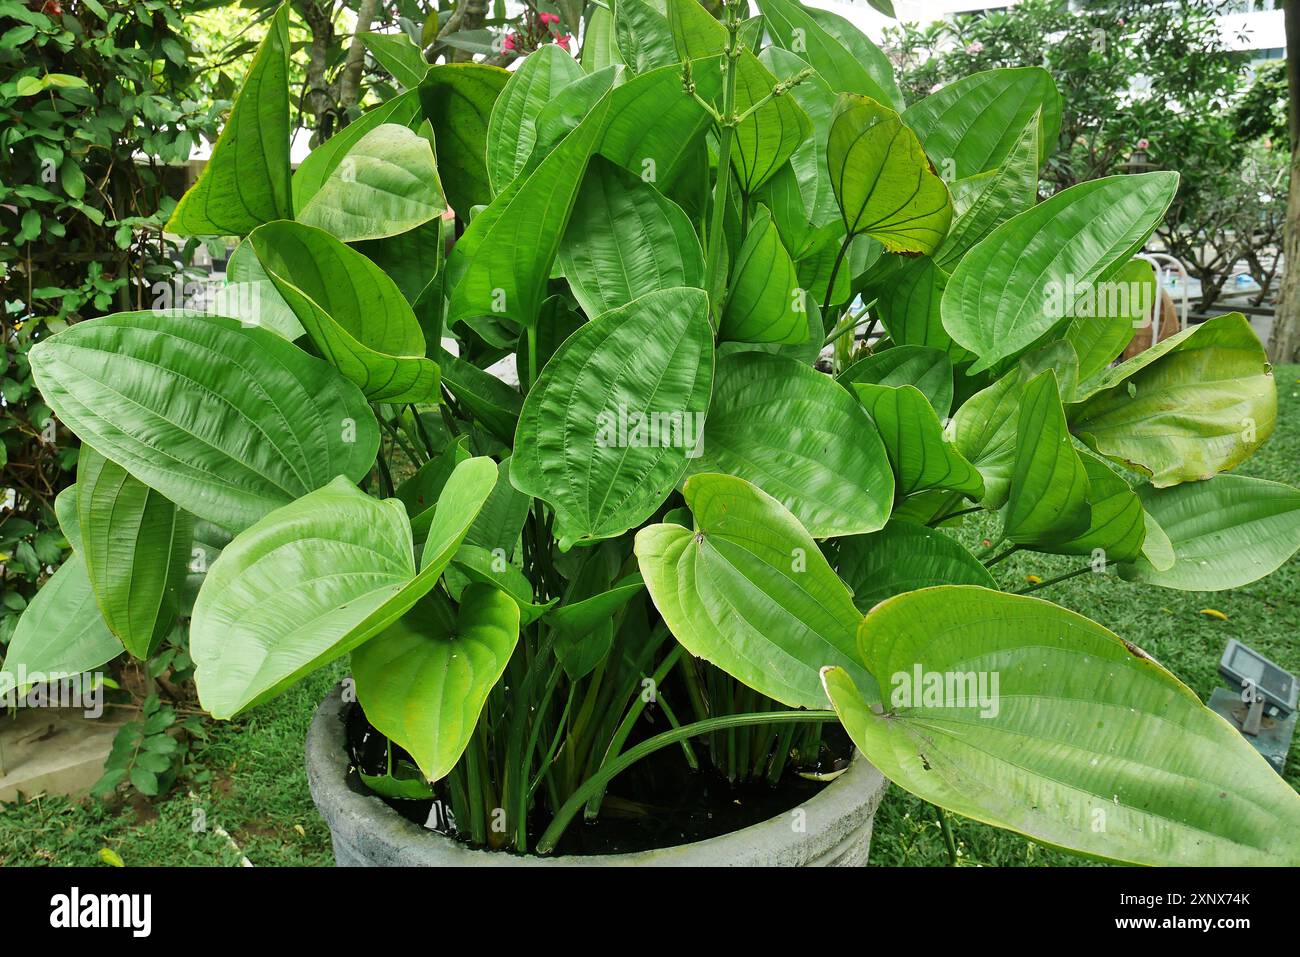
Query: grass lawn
[258, 791]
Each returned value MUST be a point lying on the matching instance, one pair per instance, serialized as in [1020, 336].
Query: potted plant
[677, 551]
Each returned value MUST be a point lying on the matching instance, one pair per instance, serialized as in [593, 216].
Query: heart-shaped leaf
[1013, 711]
[424, 681]
[318, 165]
[315, 579]
[750, 591]
[229, 423]
[798, 436]
[354, 313]
[886, 186]
[399, 56]
[603, 439]
[385, 185]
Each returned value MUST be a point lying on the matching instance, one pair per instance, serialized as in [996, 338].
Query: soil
[658, 802]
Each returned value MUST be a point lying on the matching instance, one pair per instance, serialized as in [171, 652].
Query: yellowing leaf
[1213, 613]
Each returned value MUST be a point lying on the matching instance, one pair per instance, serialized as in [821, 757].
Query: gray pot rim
[842, 809]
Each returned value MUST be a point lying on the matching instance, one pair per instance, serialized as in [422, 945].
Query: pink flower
[563, 41]
[509, 42]
[549, 17]
[975, 47]
[1143, 143]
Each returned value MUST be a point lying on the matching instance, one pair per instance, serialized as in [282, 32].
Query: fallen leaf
[1213, 613]
[110, 857]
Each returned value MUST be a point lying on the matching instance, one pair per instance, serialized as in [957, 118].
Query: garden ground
[257, 787]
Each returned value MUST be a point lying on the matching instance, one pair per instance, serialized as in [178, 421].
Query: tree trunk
[350, 85]
[1284, 343]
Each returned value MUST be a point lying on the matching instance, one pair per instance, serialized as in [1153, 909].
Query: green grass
[258, 788]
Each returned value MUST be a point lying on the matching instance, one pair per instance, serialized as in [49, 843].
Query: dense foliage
[1143, 84]
[98, 99]
[676, 514]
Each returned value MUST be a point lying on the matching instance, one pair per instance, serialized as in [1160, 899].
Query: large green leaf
[458, 99]
[500, 266]
[929, 370]
[246, 180]
[903, 556]
[511, 130]
[794, 433]
[502, 517]
[626, 239]
[321, 162]
[399, 56]
[1049, 491]
[885, 184]
[1225, 532]
[227, 422]
[1017, 283]
[975, 122]
[859, 67]
[386, 184]
[135, 545]
[986, 200]
[765, 302]
[913, 436]
[355, 314]
[1084, 742]
[602, 439]
[315, 579]
[1196, 404]
[749, 590]
[61, 632]
[424, 681]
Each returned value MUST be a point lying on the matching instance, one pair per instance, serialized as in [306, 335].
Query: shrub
[518, 573]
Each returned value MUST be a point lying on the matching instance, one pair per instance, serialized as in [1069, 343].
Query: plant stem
[555, 830]
[947, 837]
[1052, 581]
[997, 558]
[726, 133]
[957, 514]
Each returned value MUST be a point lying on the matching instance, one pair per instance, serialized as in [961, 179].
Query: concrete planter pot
[368, 833]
